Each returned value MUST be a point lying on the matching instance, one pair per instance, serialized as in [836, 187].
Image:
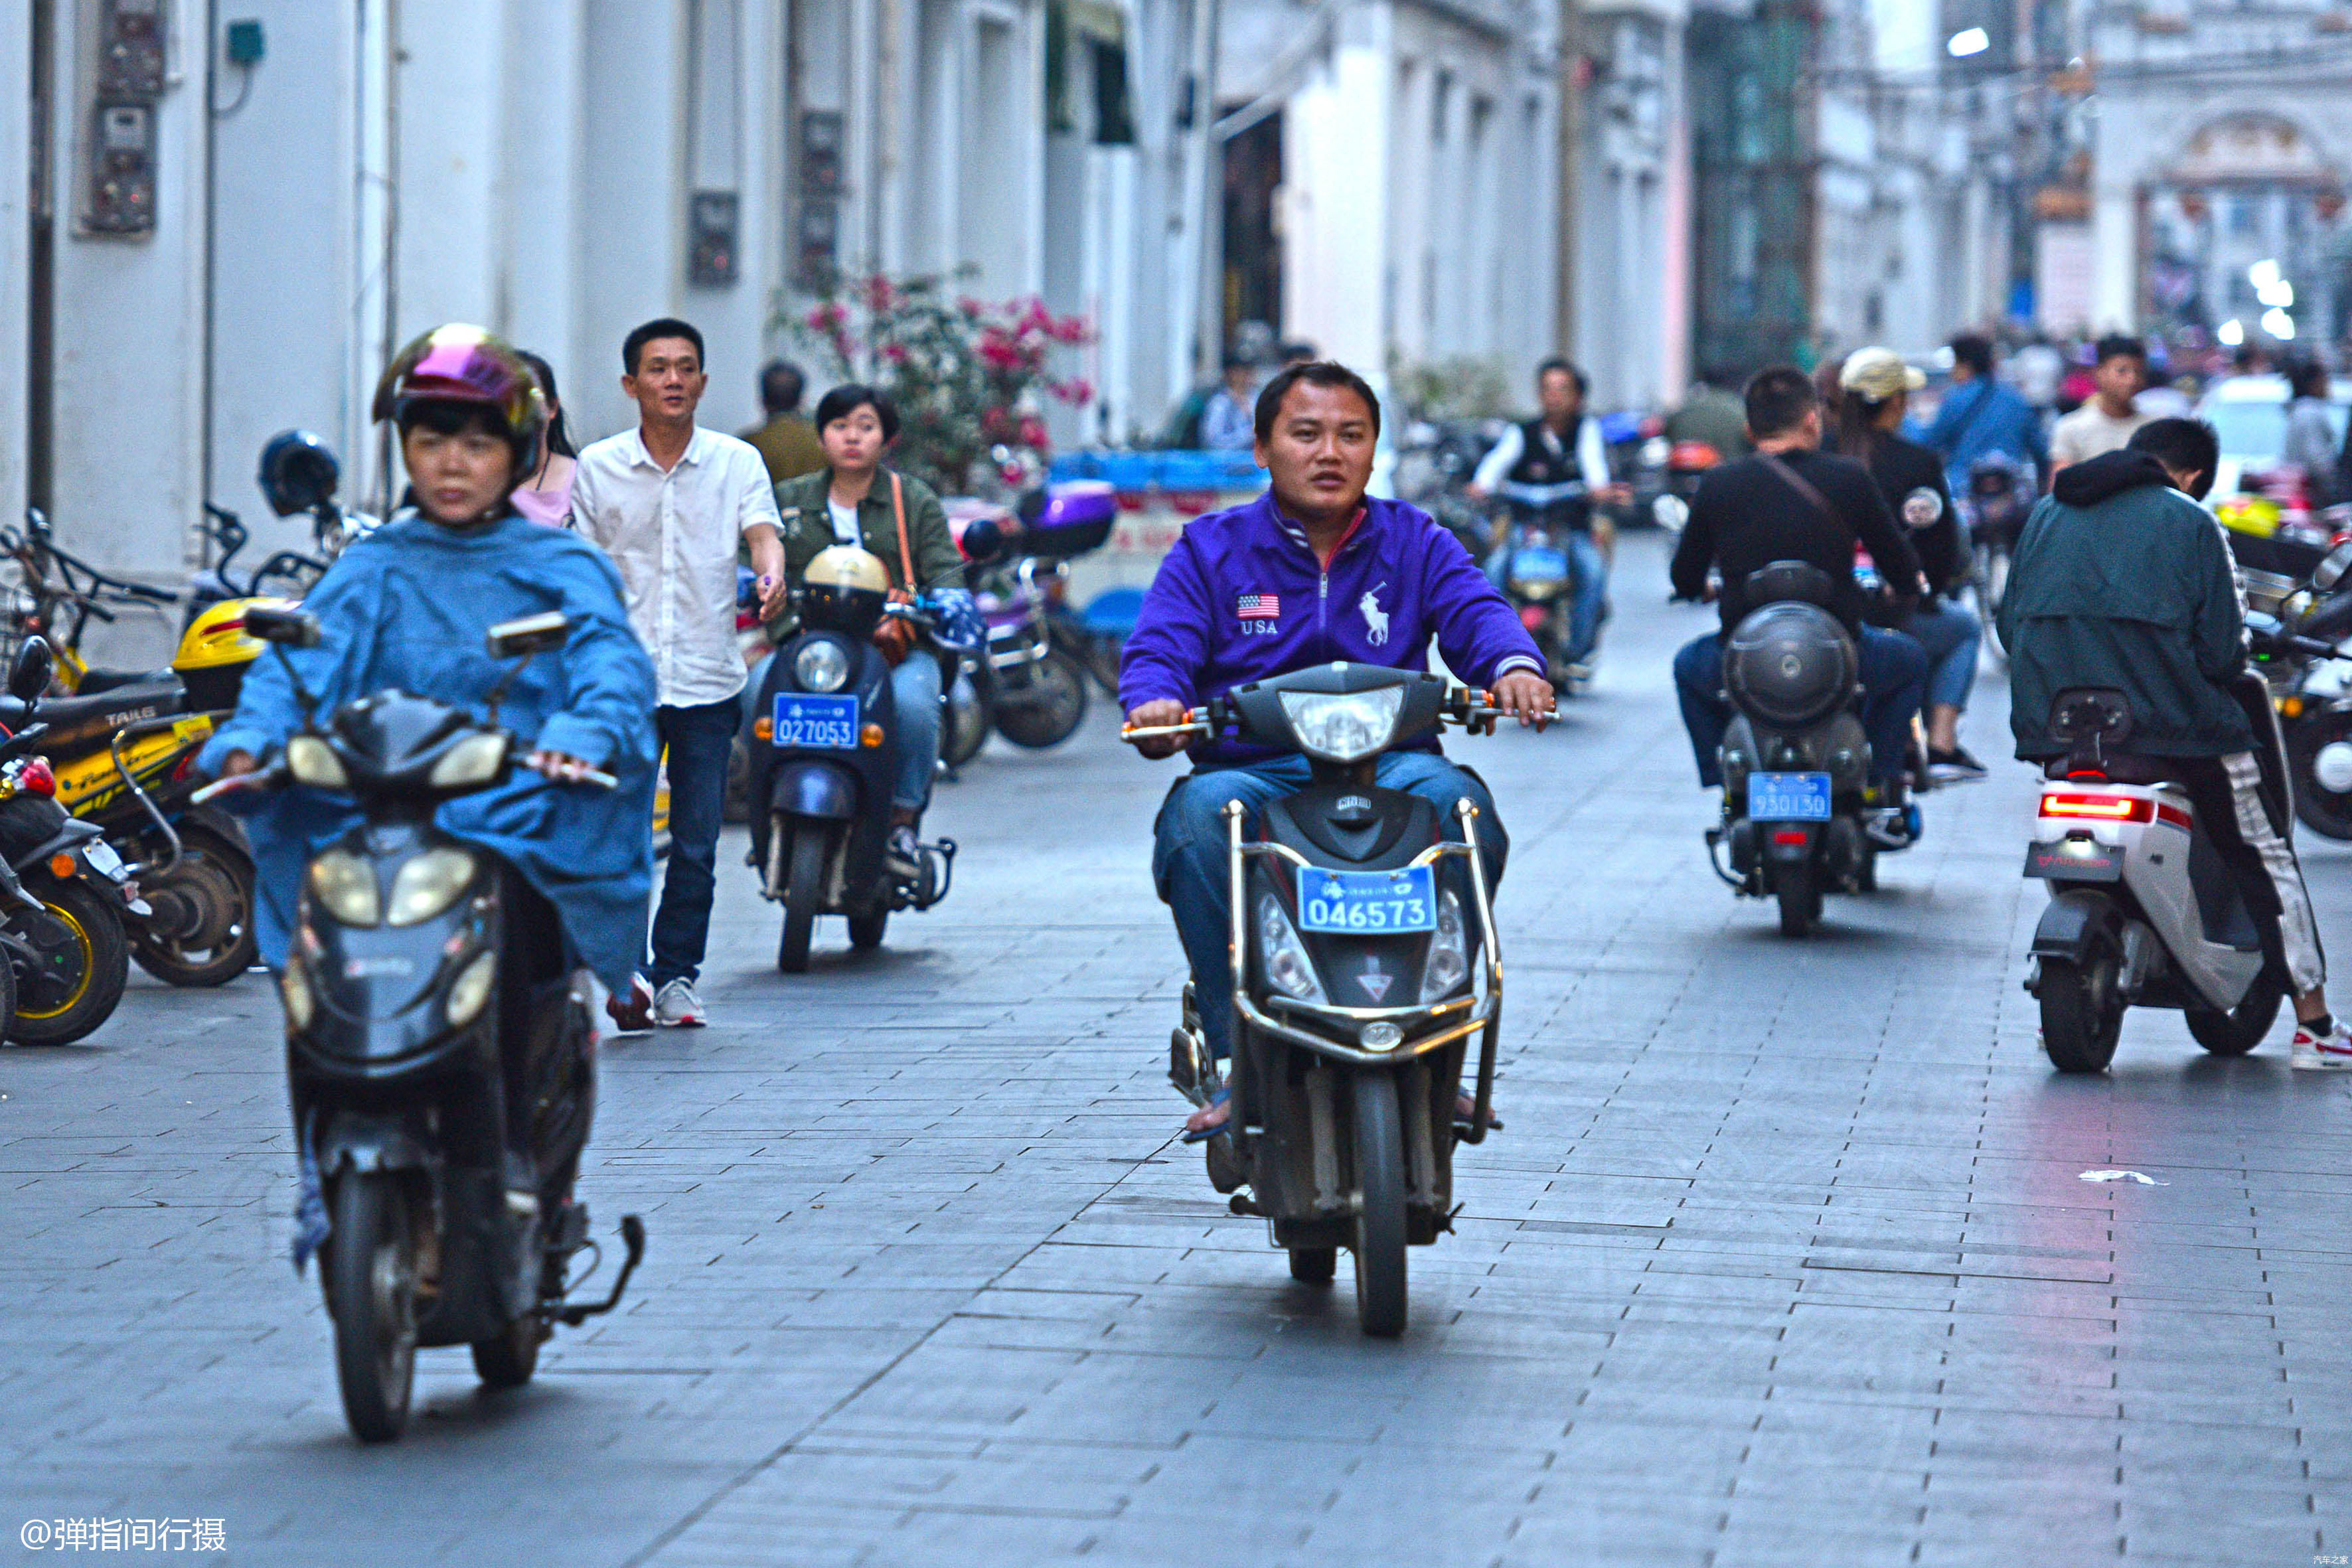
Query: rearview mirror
[287, 628]
[28, 674]
[530, 635]
[983, 540]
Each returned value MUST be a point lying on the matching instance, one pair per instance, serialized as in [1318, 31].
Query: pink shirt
[549, 507]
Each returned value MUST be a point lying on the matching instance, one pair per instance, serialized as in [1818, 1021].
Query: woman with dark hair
[546, 495]
[1874, 392]
[855, 500]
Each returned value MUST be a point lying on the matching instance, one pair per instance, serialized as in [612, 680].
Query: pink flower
[1078, 389]
[1032, 431]
[879, 293]
[1069, 330]
[895, 352]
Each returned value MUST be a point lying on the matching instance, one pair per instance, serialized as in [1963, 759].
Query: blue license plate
[1539, 565]
[828, 723]
[1788, 797]
[1368, 903]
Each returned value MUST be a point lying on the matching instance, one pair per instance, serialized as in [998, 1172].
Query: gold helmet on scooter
[214, 651]
[844, 590]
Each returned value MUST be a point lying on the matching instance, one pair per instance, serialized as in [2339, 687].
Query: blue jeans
[698, 739]
[1948, 633]
[1592, 578]
[915, 691]
[1893, 683]
[1189, 853]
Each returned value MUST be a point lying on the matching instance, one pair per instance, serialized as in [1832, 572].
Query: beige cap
[1878, 374]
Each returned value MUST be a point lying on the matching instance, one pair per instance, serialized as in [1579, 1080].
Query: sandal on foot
[1203, 1134]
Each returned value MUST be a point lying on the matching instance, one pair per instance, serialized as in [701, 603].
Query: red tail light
[1788, 835]
[1533, 616]
[36, 776]
[2099, 807]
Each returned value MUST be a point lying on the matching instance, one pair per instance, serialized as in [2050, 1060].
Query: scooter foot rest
[1244, 1204]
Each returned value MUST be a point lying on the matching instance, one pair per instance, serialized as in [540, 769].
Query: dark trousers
[1894, 684]
[698, 739]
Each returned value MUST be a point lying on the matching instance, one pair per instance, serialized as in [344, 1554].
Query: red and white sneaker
[2330, 1052]
[677, 1007]
[632, 1014]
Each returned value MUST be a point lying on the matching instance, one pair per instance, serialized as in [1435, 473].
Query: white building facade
[327, 178]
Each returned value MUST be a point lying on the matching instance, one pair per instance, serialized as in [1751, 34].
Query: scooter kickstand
[632, 1236]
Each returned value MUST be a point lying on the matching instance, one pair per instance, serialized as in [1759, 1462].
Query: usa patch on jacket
[1259, 606]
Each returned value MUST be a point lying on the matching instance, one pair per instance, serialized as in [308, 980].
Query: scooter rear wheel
[1799, 893]
[215, 875]
[1051, 703]
[2325, 812]
[85, 964]
[2082, 1010]
[2242, 1028]
[802, 892]
[370, 1270]
[1379, 1224]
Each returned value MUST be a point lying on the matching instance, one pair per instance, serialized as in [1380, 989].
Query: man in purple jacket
[1308, 573]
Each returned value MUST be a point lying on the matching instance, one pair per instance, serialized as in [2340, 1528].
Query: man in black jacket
[2122, 579]
[1791, 501]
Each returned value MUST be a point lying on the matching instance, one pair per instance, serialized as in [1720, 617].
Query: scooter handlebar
[274, 777]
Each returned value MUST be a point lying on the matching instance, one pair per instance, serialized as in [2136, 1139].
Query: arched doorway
[2246, 227]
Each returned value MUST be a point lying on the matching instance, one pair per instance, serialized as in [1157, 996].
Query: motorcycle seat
[78, 724]
[97, 680]
[2116, 767]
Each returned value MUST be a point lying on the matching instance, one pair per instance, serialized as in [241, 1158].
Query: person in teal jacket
[410, 605]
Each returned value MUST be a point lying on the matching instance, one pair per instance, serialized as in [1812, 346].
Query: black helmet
[1790, 664]
[298, 472]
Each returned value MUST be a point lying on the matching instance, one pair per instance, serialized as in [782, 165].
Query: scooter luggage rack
[1486, 1014]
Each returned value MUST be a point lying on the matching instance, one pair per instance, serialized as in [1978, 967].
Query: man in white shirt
[669, 501]
[2112, 417]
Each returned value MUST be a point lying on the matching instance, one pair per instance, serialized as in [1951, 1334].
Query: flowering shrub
[966, 374]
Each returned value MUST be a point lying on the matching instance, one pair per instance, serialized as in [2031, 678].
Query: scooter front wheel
[804, 890]
[2082, 1010]
[509, 1360]
[2242, 1028]
[1379, 1223]
[370, 1269]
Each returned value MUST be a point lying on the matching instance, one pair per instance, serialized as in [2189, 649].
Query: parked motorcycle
[1799, 818]
[1356, 939]
[1039, 670]
[2143, 912]
[67, 893]
[439, 1058]
[824, 757]
[2312, 695]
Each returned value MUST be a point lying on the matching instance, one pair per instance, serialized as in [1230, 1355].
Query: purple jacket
[1241, 597]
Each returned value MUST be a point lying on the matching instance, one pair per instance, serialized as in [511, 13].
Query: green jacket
[2130, 587]
[808, 529]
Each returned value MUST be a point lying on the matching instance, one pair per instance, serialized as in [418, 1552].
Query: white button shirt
[674, 537]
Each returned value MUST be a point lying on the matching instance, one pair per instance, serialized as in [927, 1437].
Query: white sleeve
[582, 502]
[759, 501]
[1592, 454]
[1501, 460]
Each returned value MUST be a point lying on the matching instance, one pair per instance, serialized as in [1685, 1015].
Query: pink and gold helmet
[461, 364]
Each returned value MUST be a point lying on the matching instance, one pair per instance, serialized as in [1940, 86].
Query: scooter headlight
[313, 762]
[821, 664]
[345, 884]
[294, 985]
[1448, 965]
[1287, 968]
[1343, 727]
[428, 884]
[476, 760]
[470, 991]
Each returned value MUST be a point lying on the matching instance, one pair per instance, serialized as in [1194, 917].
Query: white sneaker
[677, 1007]
[2330, 1052]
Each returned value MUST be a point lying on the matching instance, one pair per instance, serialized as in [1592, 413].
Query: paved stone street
[1785, 1257]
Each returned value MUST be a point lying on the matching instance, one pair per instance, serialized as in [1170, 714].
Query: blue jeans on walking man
[697, 740]
[1893, 683]
[1191, 850]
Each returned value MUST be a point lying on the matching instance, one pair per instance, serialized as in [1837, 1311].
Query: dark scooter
[823, 758]
[1356, 940]
[440, 1056]
[1798, 821]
